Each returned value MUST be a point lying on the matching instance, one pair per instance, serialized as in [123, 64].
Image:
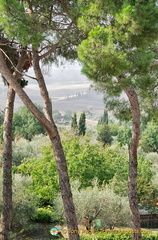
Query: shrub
[117, 236]
[21, 216]
[43, 215]
[28, 149]
[112, 209]
[23, 202]
[149, 140]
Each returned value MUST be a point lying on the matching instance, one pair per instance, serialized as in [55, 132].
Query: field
[68, 89]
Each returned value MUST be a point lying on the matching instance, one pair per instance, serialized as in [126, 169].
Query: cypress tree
[74, 121]
[104, 119]
[82, 124]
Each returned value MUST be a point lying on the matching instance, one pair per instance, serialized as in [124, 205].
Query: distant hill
[68, 89]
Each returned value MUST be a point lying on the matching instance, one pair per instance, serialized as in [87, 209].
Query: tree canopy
[86, 162]
[46, 25]
[40, 29]
[118, 55]
[25, 125]
[120, 46]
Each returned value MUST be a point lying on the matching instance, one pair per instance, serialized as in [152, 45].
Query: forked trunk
[59, 154]
[132, 176]
[7, 166]
[57, 147]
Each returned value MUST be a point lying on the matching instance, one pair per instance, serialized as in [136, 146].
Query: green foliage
[44, 215]
[119, 236]
[32, 23]
[145, 189]
[44, 176]
[82, 124]
[24, 202]
[84, 161]
[23, 148]
[74, 125]
[119, 107]
[124, 135]
[145, 175]
[114, 128]
[149, 138]
[88, 161]
[25, 125]
[118, 50]
[113, 209]
[18, 23]
[104, 119]
[104, 134]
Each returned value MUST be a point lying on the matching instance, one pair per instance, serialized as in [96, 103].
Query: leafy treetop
[44, 24]
[121, 44]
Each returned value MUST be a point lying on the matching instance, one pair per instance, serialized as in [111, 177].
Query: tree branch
[65, 7]
[56, 45]
[22, 73]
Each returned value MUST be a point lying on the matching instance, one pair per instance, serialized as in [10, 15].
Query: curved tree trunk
[6, 216]
[132, 176]
[57, 147]
[58, 152]
[7, 166]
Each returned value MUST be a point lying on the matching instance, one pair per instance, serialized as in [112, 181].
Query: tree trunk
[7, 166]
[132, 176]
[58, 152]
[6, 216]
[57, 147]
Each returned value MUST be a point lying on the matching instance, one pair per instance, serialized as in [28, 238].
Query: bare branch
[16, 48]
[51, 49]
[55, 46]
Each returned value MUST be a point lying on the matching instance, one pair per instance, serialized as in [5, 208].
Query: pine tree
[41, 48]
[118, 55]
[82, 124]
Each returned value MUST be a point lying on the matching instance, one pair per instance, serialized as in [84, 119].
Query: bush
[21, 216]
[28, 149]
[24, 203]
[112, 209]
[25, 124]
[43, 215]
[149, 139]
[104, 134]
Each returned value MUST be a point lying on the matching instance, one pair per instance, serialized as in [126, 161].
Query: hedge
[118, 236]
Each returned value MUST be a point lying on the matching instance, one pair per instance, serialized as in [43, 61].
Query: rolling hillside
[68, 89]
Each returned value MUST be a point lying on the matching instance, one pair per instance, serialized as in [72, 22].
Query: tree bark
[7, 166]
[6, 216]
[132, 176]
[58, 152]
[57, 147]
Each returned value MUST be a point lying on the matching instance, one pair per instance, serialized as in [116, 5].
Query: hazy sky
[63, 81]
